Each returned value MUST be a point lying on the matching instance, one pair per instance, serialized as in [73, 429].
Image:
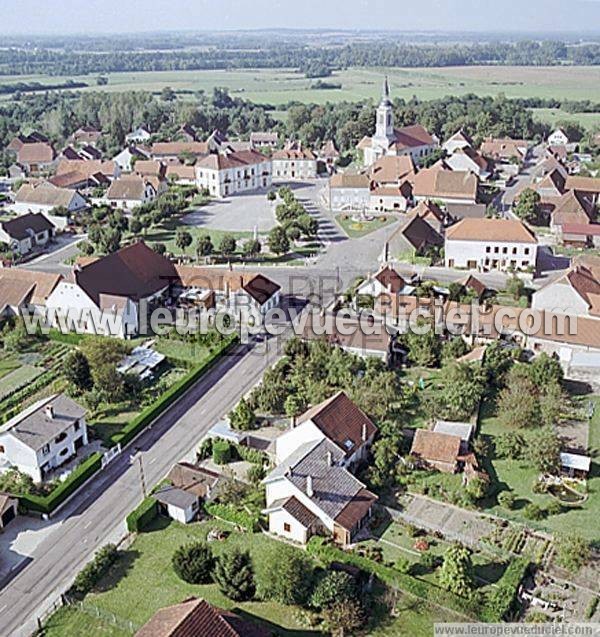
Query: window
[504, 250]
[2, 449]
[514, 251]
[526, 250]
[287, 528]
[496, 250]
[46, 449]
[488, 249]
[77, 426]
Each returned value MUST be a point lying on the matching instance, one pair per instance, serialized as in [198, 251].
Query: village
[458, 466]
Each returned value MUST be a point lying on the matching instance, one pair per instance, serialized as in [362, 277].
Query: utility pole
[138, 457]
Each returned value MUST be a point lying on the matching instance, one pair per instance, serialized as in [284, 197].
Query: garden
[356, 227]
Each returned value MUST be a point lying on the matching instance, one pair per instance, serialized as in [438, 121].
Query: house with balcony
[44, 436]
[226, 174]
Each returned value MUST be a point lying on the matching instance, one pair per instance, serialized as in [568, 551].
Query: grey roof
[35, 428]
[22, 226]
[333, 485]
[176, 497]
[462, 429]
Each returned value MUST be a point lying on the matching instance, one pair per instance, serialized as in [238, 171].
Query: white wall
[559, 299]
[297, 532]
[294, 168]
[482, 254]
[356, 198]
[288, 442]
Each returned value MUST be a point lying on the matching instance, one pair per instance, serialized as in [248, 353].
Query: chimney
[309, 487]
[364, 432]
[329, 459]
[293, 421]
[49, 412]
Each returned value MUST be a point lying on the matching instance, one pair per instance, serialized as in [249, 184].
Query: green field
[279, 86]
[553, 115]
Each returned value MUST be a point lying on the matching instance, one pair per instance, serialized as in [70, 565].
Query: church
[411, 140]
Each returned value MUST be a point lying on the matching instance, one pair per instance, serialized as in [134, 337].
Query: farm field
[553, 115]
[280, 86]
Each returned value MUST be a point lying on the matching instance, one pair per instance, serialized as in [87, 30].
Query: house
[44, 197]
[126, 159]
[295, 163]
[90, 153]
[467, 159]
[177, 504]
[43, 436]
[228, 174]
[24, 290]
[197, 618]
[109, 295]
[181, 174]
[447, 186]
[573, 207]
[130, 191]
[336, 419]
[438, 450]
[415, 237]
[349, 191]
[86, 136]
[347, 334]
[412, 140]
[150, 168]
[576, 293]
[20, 140]
[393, 170]
[505, 149]
[202, 482]
[588, 186]
[558, 138]
[433, 214]
[139, 135]
[582, 235]
[311, 492]
[173, 152]
[496, 244]
[263, 140]
[36, 157]
[329, 154]
[460, 140]
[26, 232]
[385, 280]
[9, 509]
[187, 133]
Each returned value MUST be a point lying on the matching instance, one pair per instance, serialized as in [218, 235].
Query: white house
[339, 420]
[385, 281]
[178, 504]
[25, 290]
[126, 159]
[294, 163]
[467, 159]
[411, 140]
[226, 174]
[26, 232]
[558, 138]
[43, 197]
[349, 191]
[43, 436]
[576, 293]
[139, 135]
[458, 141]
[130, 191]
[311, 492]
[490, 244]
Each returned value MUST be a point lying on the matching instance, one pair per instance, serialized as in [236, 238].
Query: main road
[96, 514]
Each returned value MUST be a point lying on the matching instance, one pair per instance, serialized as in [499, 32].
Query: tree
[271, 195]
[344, 616]
[283, 575]
[456, 573]
[193, 563]
[552, 404]
[159, 248]
[332, 586]
[86, 248]
[477, 488]
[278, 241]
[423, 349]
[386, 458]
[497, 362]
[518, 402]
[515, 287]
[77, 370]
[103, 355]
[509, 444]
[228, 245]
[135, 227]
[533, 511]
[462, 388]
[506, 499]
[294, 405]
[183, 239]
[242, 417]
[543, 450]
[252, 248]
[528, 206]
[204, 246]
[235, 576]
[572, 551]
[453, 349]
[546, 370]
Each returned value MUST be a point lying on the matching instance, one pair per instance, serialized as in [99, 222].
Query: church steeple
[384, 127]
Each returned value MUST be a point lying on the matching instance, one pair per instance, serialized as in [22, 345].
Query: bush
[332, 587]
[533, 512]
[402, 565]
[194, 563]
[91, 573]
[554, 508]
[284, 575]
[221, 452]
[502, 599]
[506, 499]
[142, 515]
[590, 611]
[235, 576]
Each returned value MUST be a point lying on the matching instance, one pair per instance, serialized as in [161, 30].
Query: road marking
[1, 609]
[87, 525]
[152, 461]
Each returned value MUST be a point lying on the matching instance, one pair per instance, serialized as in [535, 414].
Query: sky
[100, 16]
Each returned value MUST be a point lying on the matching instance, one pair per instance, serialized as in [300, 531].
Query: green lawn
[356, 229]
[190, 351]
[519, 476]
[72, 622]
[280, 86]
[553, 115]
[8, 365]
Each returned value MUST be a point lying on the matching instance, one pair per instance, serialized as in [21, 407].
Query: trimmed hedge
[501, 600]
[229, 513]
[401, 581]
[147, 415]
[93, 571]
[142, 515]
[221, 452]
[82, 473]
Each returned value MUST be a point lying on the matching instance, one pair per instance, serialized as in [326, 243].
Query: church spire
[386, 89]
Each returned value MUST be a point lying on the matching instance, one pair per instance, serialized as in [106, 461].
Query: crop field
[279, 86]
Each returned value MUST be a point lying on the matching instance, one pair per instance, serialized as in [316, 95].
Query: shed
[177, 504]
[574, 464]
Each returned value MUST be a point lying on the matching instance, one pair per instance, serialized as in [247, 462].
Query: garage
[8, 509]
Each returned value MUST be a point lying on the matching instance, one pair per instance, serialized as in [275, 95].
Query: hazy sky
[95, 16]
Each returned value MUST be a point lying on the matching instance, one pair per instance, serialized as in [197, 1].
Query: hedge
[229, 513]
[501, 600]
[401, 581]
[221, 452]
[82, 473]
[147, 415]
[91, 573]
[142, 515]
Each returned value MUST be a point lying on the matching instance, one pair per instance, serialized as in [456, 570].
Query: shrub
[554, 508]
[91, 573]
[142, 515]
[429, 560]
[502, 599]
[533, 512]
[221, 452]
[506, 499]
[235, 576]
[402, 565]
[284, 575]
[590, 611]
[255, 473]
[332, 587]
[230, 513]
[193, 563]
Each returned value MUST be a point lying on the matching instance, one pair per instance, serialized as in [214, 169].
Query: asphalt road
[96, 514]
